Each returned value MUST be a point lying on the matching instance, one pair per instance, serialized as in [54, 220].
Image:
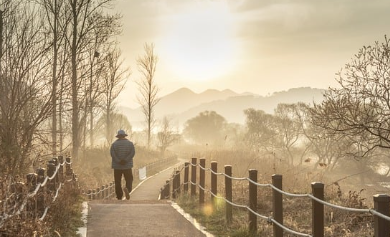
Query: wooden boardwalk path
[142, 215]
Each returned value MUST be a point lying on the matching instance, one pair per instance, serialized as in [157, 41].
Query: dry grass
[93, 169]
[297, 211]
[62, 219]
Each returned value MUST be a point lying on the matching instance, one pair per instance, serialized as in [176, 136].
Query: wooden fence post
[41, 192]
[57, 178]
[89, 194]
[193, 177]
[31, 186]
[214, 167]
[61, 169]
[50, 172]
[98, 193]
[202, 165]
[277, 205]
[381, 205]
[252, 201]
[186, 172]
[228, 193]
[174, 187]
[167, 190]
[178, 189]
[68, 168]
[107, 192]
[317, 210]
[112, 188]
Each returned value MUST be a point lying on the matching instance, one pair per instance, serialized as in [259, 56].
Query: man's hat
[121, 133]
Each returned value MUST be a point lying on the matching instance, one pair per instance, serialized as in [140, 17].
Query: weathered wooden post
[174, 185]
[214, 167]
[112, 184]
[61, 169]
[202, 165]
[228, 193]
[252, 201]
[317, 210]
[107, 191]
[89, 194]
[381, 205]
[193, 177]
[103, 190]
[98, 193]
[57, 178]
[186, 173]
[31, 186]
[94, 194]
[41, 192]
[167, 190]
[277, 205]
[68, 168]
[177, 181]
[50, 173]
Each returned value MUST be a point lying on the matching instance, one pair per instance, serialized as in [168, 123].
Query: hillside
[184, 104]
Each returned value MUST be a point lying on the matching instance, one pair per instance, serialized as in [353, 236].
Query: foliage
[261, 133]
[206, 128]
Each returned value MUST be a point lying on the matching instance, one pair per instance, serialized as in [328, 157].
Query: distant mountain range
[185, 104]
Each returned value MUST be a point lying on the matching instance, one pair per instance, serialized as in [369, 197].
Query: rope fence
[34, 198]
[380, 213]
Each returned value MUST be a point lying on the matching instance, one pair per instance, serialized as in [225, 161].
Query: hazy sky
[260, 46]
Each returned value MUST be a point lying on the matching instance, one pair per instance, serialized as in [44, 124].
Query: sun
[199, 44]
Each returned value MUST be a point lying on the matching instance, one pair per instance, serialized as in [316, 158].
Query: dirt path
[142, 215]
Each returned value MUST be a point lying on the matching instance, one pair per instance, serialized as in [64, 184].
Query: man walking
[122, 154]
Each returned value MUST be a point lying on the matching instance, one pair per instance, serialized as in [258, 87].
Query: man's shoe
[127, 194]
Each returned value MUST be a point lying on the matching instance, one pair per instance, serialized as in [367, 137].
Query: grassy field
[297, 211]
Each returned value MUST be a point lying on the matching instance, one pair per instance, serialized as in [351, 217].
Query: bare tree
[56, 21]
[167, 136]
[114, 79]
[25, 86]
[86, 16]
[360, 107]
[289, 130]
[148, 89]
[116, 121]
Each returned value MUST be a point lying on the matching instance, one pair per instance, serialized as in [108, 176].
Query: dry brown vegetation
[95, 170]
[64, 215]
[62, 219]
[297, 211]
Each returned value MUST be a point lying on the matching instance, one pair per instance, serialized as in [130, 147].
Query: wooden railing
[174, 187]
[33, 198]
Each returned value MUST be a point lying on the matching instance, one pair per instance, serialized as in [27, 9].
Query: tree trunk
[75, 102]
[54, 90]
